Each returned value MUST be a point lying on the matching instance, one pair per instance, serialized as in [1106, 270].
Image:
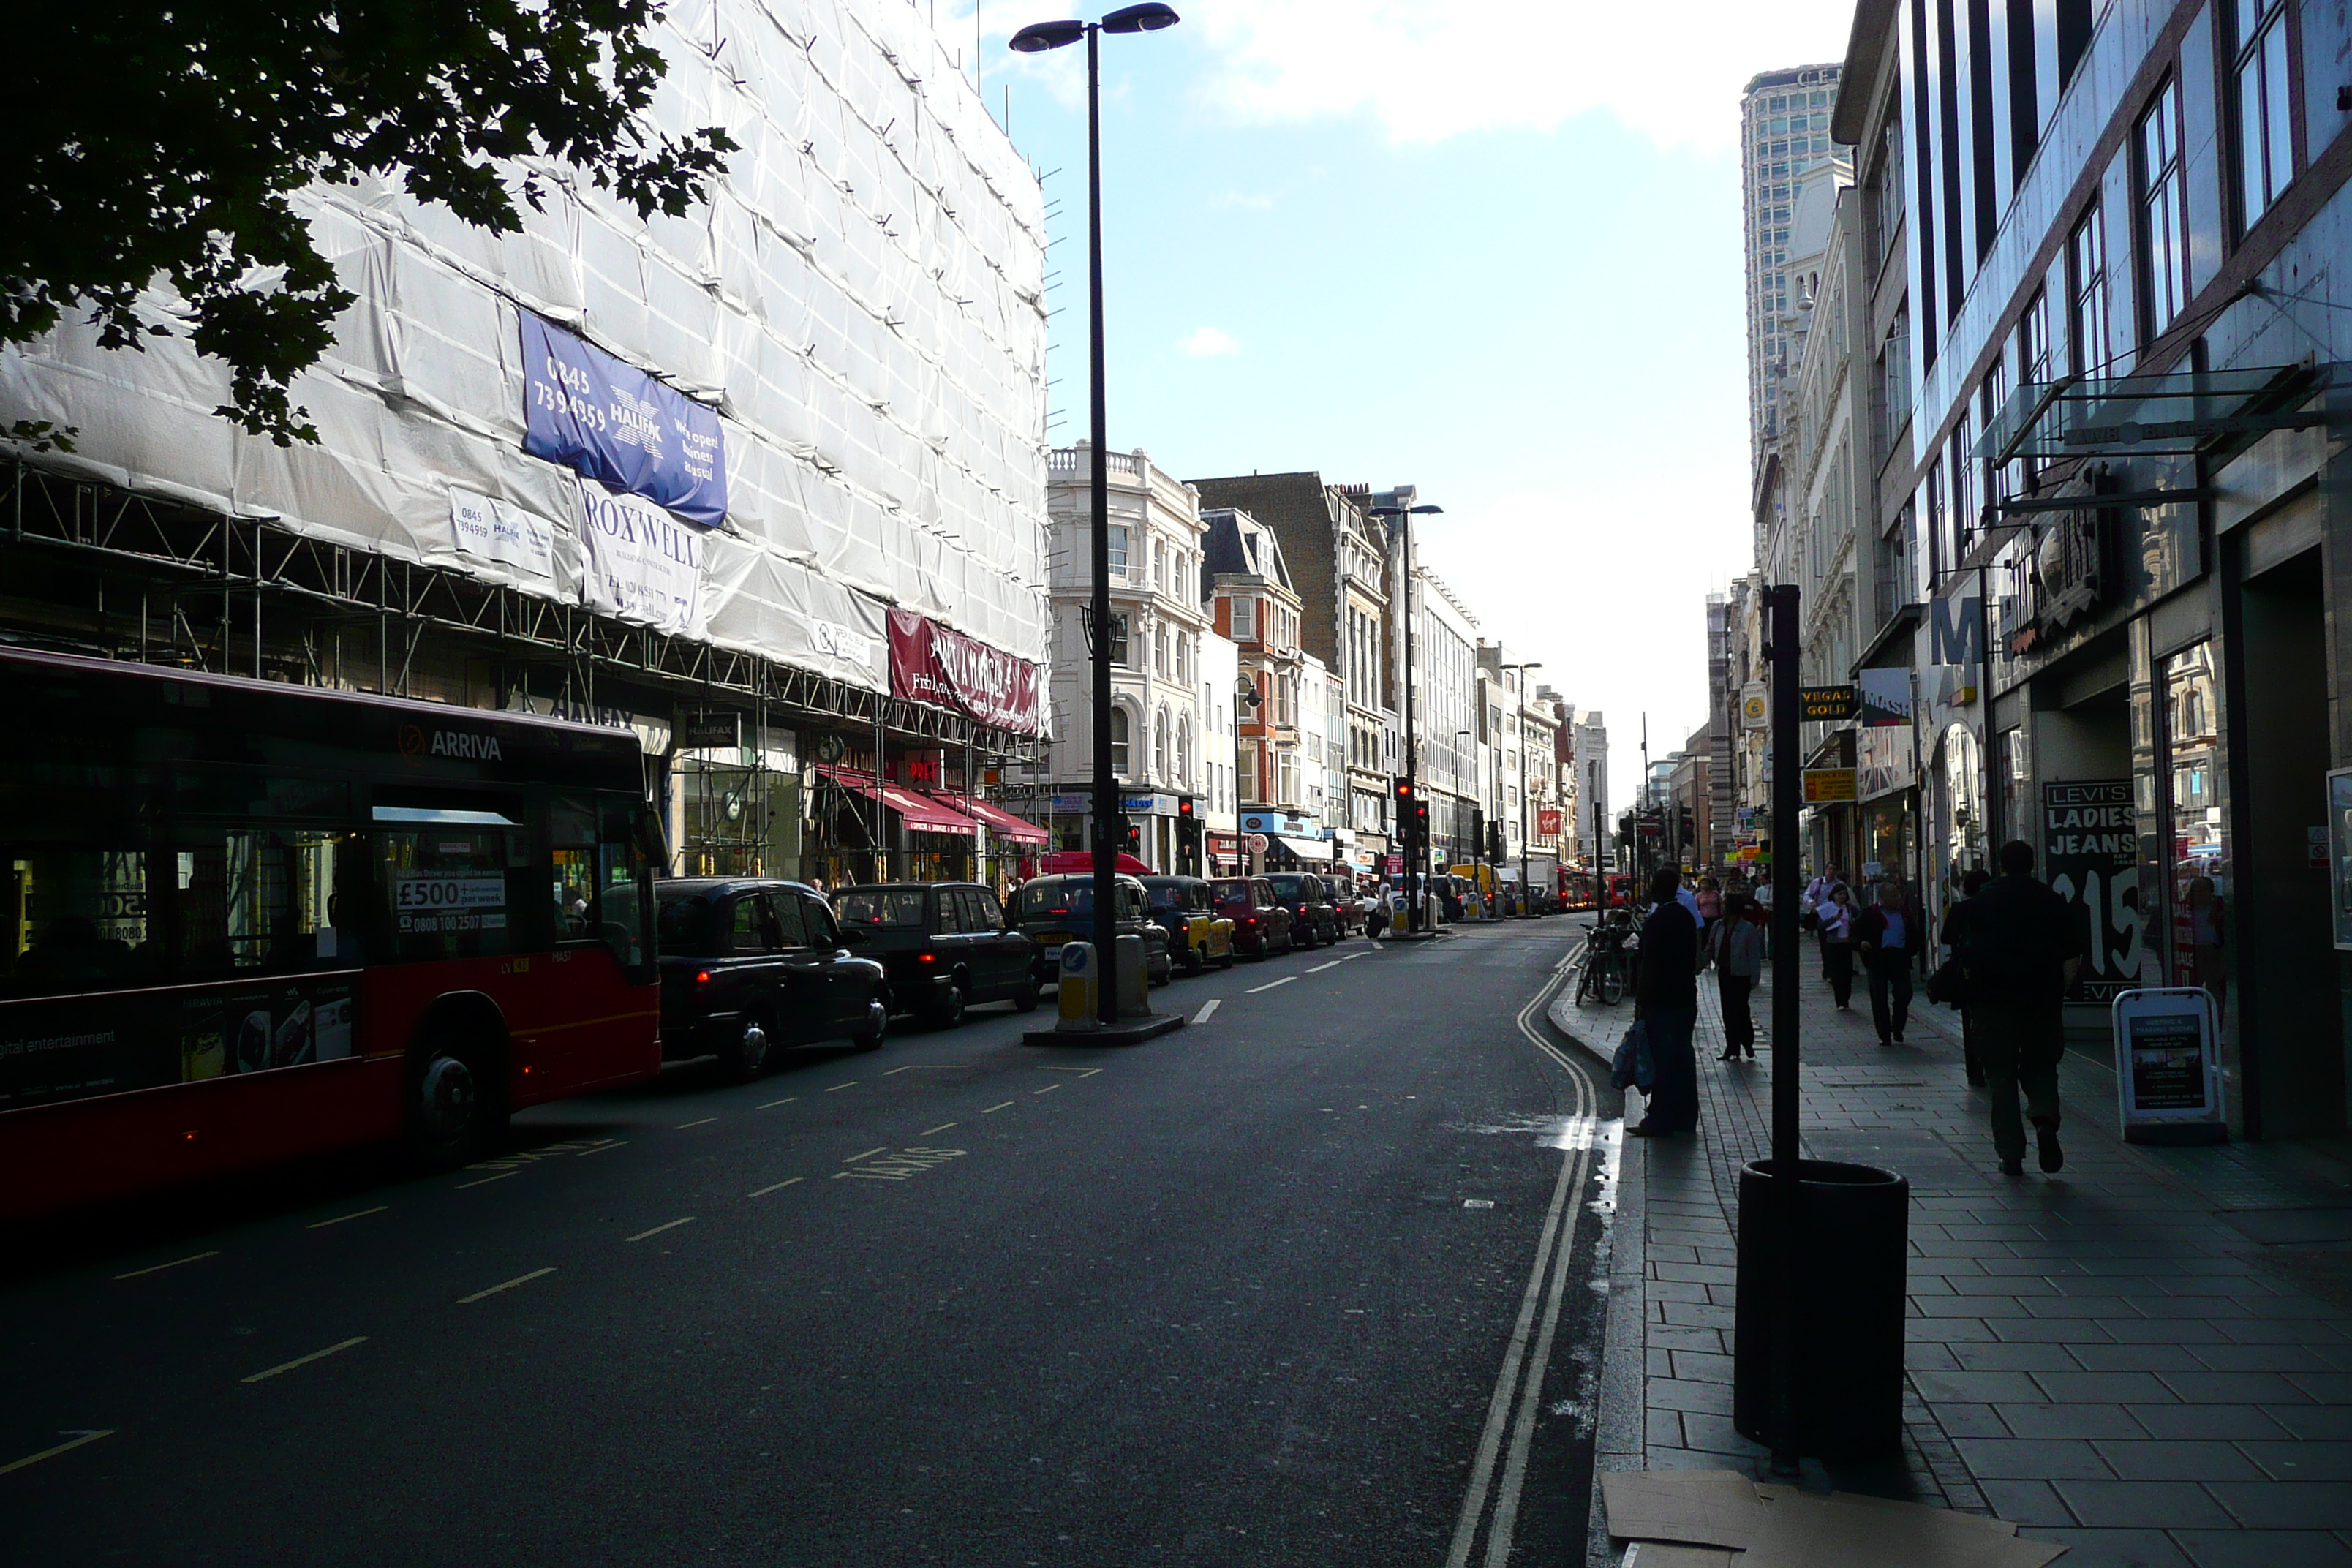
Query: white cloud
[1430, 69]
[1208, 341]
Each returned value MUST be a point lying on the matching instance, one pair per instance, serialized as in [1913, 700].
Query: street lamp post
[1418, 863]
[1244, 694]
[1477, 850]
[1032, 39]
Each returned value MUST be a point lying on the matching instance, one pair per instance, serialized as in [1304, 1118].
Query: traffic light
[1420, 820]
[1478, 830]
[1135, 839]
[1494, 845]
[1188, 826]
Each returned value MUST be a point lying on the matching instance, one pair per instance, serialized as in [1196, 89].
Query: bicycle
[1607, 971]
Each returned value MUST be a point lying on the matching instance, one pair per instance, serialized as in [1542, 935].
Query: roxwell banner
[611, 422]
[934, 664]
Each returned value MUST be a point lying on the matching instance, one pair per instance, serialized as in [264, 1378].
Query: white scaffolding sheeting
[861, 298]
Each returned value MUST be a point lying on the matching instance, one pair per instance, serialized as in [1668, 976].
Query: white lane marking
[507, 1285]
[1047, 1089]
[358, 1214]
[1208, 1011]
[80, 1434]
[486, 1181]
[1319, 968]
[894, 1071]
[774, 1103]
[684, 1125]
[994, 1109]
[1508, 1391]
[1271, 985]
[305, 1360]
[657, 1230]
[837, 1089]
[779, 1187]
[159, 1267]
[853, 1159]
[1082, 1072]
[942, 1127]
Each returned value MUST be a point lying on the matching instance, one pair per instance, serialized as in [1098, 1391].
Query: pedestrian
[1665, 1005]
[1737, 947]
[2020, 947]
[1887, 938]
[1817, 898]
[1837, 944]
[1710, 904]
[1762, 912]
[1956, 925]
[1384, 909]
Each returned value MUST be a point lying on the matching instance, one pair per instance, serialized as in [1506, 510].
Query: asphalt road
[1283, 1287]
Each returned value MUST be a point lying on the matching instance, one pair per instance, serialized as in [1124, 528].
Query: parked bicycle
[1608, 966]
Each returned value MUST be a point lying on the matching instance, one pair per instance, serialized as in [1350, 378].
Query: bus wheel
[453, 1116]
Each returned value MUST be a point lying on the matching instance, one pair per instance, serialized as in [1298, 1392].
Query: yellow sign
[1824, 786]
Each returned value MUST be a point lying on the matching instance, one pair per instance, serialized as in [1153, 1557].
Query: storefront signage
[1827, 786]
[1827, 704]
[935, 665]
[1885, 697]
[2090, 857]
[709, 731]
[1548, 820]
[611, 422]
[1755, 706]
[644, 566]
[2069, 575]
[1952, 628]
[2167, 1065]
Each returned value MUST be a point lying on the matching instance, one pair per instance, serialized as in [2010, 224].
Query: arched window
[1118, 738]
[1160, 748]
[1184, 750]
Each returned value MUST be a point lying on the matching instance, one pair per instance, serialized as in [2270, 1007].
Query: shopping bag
[1630, 1067]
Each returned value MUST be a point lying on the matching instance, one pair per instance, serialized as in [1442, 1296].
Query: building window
[2086, 285]
[1118, 641]
[2259, 101]
[1118, 552]
[2034, 339]
[1120, 727]
[1184, 657]
[1184, 752]
[2163, 212]
[1964, 491]
[1159, 772]
[1244, 621]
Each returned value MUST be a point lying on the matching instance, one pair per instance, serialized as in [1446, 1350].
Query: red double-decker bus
[247, 921]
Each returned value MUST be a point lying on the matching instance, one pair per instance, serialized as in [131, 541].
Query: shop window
[2196, 832]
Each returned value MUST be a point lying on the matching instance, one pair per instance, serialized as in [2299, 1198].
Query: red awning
[920, 812]
[1000, 821]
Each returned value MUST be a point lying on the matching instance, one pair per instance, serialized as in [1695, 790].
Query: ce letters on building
[612, 423]
[935, 665]
[2091, 854]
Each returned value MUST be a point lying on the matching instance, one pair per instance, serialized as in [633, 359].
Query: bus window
[78, 921]
[624, 875]
[447, 887]
[260, 898]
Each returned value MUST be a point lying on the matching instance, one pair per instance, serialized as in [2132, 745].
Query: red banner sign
[1547, 822]
[931, 663]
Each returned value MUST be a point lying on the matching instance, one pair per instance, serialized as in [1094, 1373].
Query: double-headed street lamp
[1417, 864]
[1035, 39]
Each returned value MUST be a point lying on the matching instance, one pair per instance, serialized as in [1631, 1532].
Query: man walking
[1955, 936]
[1665, 1005]
[1887, 939]
[1736, 946]
[1813, 913]
[2018, 954]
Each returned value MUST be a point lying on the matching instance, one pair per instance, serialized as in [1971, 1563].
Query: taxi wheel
[1195, 961]
[1226, 961]
[1024, 998]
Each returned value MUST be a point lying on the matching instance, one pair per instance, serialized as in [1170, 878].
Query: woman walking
[1736, 946]
[1837, 945]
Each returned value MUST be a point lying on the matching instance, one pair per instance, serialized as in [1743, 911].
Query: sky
[1491, 250]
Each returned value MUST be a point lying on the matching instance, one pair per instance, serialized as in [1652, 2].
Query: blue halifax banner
[614, 423]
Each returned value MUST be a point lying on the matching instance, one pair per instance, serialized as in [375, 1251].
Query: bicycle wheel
[1612, 985]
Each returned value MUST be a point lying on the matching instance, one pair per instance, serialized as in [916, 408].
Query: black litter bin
[1851, 1249]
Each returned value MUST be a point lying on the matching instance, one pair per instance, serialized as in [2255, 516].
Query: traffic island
[1126, 1032]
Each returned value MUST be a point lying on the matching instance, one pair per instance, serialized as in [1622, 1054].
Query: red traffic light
[1184, 808]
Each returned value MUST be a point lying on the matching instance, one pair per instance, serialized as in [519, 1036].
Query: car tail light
[1251, 921]
[703, 977]
[925, 958]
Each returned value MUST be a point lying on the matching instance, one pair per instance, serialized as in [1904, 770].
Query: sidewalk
[2147, 1356]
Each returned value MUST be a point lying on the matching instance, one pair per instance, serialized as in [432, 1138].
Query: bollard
[1080, 976]
[1134, 981]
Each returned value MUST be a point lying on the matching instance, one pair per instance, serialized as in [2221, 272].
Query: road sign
[1396, 865]
[1825, 787]
[1828, 704]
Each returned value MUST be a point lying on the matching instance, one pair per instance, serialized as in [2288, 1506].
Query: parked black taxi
[750, 967]
[1052, 910]
[945, 945]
